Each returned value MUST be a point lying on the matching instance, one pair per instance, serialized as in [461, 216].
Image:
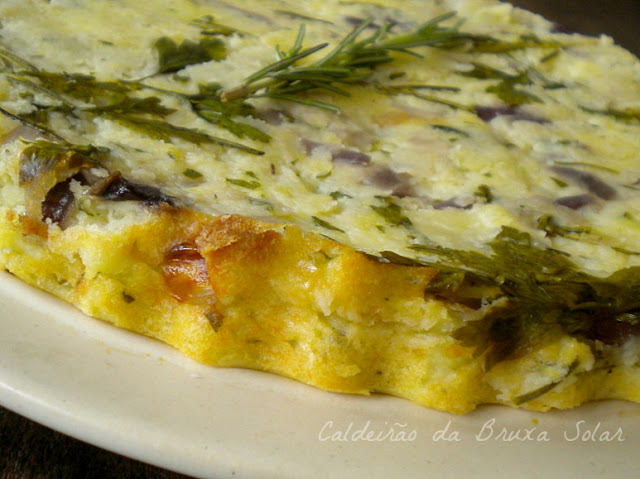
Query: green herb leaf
[484, 192]
[77, 86]
[298, 16]
[540, 280]
[396, 258]
[450, 129]
[559, 182]
[543, 290]
[336, 195]
[325, 224]
[485, 44]
[208, 105]
[238, 128]
[512, 96]
[418, 87]
[392, 213]
[628, 115]
[483, 72]
[506, 89]
[162, 130]
[249, 184]
[138, 106]
[415, 91]
[625, 251]
[193, 174]
[174, 57]
[209, 27]
[547, 224]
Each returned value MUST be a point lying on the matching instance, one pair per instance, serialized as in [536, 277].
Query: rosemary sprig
[349, 62]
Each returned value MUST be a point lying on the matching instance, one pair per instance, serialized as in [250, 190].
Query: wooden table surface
[29, 450]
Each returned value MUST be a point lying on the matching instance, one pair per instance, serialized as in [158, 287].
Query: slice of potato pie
[438, 200]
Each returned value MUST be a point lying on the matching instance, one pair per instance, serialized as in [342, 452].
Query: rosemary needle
[350, 61]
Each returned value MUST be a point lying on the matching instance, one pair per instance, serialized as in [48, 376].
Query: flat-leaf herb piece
[630, 114]
[547, 224]
[511, 95]
[416, 91]
[162, 130]
[209, 27]
[79, 87]
[325, 224]
[299, 16]
[505, 89]
[450, 129]
[484, 192]
[192, 174]
[208, 105]
[336, 195]
[249, 184]
[138, 106]
[484, 72]
[486, 44]
[173, 57]
[113, 100]
[392, 213]
[543, 287]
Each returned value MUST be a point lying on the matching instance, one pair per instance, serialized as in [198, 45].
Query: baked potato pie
[433, 199]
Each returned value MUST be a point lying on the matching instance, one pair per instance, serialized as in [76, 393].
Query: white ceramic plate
[140, 398]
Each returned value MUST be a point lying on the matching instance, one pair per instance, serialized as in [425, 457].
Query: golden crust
[279, 300]
[284, 301]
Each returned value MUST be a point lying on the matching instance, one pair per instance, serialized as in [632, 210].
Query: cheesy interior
[437, 154]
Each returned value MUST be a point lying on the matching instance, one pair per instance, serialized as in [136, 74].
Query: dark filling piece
[338, 153]
[386, 178]
[58, 204]
[612, 331]
[455, 203]
[117, 188]
[574, 202]
[60, 200]
[588, 181]
[488, 113]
